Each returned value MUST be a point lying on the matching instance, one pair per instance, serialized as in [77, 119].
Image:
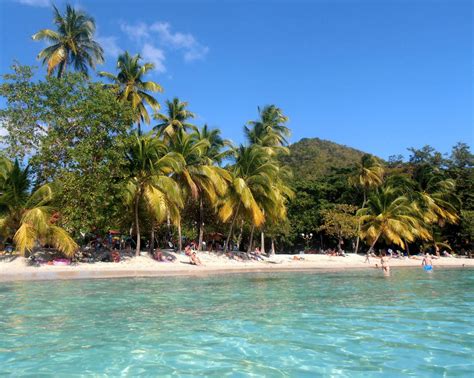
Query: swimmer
[427, 263]
[384, 263]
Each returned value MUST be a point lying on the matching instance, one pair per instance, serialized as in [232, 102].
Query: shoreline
[143, 266]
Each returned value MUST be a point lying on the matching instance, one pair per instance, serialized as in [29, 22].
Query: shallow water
[356, 323]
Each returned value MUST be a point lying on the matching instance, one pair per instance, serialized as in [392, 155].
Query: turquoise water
[356, 323]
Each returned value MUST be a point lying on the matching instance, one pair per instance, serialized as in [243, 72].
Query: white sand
[143, 266]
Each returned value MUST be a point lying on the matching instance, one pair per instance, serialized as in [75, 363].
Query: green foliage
[313, 158]
[339, 221]
[76, 132]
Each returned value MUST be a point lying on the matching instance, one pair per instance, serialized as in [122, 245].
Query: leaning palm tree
[199, 178]
[368, 174]
[175, 119]
[71, 44]
[390, 216]
[150, 166]
[130, 86]
[30, 218]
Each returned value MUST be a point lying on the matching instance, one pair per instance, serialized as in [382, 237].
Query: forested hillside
[312, 158]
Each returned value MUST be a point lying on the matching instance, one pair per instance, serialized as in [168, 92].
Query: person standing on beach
[427, 263]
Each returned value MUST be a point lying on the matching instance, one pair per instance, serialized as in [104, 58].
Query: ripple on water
[286, 324]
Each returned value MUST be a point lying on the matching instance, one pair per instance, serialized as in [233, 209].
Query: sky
[379, 76]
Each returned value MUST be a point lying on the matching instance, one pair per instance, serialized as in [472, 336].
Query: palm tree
[218, 149]
[199, 178]
[269, 130]
[391, 216]
[150, 166]
[253, 178]
[30, 217]
[175, 119]
[130, 86]
[72, 42]
[271, 133]
[368, 174]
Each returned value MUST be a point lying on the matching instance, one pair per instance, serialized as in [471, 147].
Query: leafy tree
[340, 222]
[72, 43]
[30, 217]
[129, 86]
[75, 133]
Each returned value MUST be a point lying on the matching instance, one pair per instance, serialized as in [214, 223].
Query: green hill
[312, 158]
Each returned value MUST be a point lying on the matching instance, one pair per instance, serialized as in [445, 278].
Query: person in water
[384, 263]
[427, 263]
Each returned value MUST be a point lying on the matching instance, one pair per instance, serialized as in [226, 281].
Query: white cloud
[136, 31]
[154, 55]
[110, 46]
[161, 33]
[35, 3]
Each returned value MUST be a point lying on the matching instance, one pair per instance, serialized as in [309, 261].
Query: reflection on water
[285, 324]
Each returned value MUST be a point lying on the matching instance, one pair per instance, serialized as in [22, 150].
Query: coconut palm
[175, 119]
[130, 86]
[435, 197]
[30, 217]
[390, 216]
[271, 133]
[253, 177]
[368, 174]
[269, 130]
[150, 166]
[71, 44]
[218, 149]
[199, 178]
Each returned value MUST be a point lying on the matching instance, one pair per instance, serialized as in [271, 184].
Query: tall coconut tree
[130, 86]
[199, 177]
[30, 217]
[71, 44]
[270, 132]
[176, 118]
[150, 166]
[390, 216]
[368, 174]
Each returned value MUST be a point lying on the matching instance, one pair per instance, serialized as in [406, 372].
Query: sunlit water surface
[356, 323]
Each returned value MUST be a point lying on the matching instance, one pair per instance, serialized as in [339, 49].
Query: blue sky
[379, 76]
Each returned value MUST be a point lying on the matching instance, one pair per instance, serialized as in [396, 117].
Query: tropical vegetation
[77, 160]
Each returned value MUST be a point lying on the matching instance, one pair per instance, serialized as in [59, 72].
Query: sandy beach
[17, 268]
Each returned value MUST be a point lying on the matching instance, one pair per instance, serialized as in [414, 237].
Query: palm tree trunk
[62, 68]
[239, 238]
[273, 247]
[137, 225]
[139, 128]
[358, 225]
[152, 238]
[262, 243]
[249, 249]
[226, 245]
[201, 224]
[180, 240]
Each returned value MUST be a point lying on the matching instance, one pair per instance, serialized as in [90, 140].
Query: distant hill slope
[312, 158]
